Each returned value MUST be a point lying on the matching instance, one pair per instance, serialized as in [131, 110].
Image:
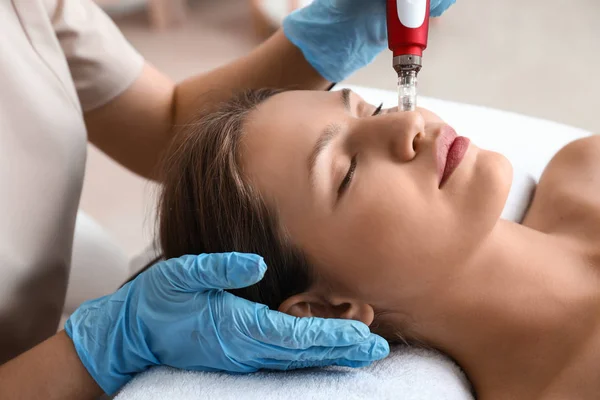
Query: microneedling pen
[408, 29]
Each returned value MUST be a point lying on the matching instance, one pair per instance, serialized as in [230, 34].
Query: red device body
[403, 40]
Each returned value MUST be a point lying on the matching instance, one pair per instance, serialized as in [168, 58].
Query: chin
[502, 168]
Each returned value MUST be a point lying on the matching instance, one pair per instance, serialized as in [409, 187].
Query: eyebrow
[326, 137]
[346, 98]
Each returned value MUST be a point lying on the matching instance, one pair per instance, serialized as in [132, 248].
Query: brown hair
[207, 205]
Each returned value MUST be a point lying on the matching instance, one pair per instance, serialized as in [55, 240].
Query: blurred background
[534, 57]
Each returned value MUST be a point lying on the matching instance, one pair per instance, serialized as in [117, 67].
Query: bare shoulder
[567, 199]
[575, 171]
[579, 154]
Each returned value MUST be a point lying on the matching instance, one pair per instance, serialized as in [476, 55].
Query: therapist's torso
[58, 59]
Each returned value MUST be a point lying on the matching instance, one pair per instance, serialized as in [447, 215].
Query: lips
[451, 150]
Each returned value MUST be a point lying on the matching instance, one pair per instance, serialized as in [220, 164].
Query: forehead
[279, 135]
[289, 111]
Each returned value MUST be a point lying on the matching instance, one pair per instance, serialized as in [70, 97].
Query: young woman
[392, 219]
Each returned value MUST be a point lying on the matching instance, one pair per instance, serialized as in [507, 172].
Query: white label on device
[411, 13]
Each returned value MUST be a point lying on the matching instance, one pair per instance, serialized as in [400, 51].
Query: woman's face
[362, 194]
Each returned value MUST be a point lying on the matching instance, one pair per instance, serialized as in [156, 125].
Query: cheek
[384, 235]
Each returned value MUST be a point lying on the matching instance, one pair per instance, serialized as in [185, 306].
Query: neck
[516, 313]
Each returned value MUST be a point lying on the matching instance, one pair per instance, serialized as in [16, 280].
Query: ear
[310, 305]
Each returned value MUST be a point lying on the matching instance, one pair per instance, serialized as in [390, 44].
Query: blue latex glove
[337, 37]
[177, 314]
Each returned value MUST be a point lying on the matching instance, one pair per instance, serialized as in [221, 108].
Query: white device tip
[407, 91]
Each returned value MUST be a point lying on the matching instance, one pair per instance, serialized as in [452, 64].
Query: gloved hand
[337, 37]
[177, 314]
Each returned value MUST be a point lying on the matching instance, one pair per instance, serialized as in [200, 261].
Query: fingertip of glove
[252, 261]
[381, 349]
[247, 267]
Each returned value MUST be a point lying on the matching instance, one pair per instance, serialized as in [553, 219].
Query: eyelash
[348, 178]
[350, 174]
[378, 110]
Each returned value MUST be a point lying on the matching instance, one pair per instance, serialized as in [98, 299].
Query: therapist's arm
[50, 371]
[135, 127]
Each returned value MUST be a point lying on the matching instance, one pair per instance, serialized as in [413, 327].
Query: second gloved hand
[337, 37]
[177, 314]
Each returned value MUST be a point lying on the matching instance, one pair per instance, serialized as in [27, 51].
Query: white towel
[407, 374]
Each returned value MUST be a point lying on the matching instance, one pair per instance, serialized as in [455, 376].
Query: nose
[399, 134]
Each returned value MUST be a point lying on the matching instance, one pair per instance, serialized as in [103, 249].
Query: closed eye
[348, 178]
[350, 174]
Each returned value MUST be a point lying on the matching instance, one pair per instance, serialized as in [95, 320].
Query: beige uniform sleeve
[102, 63]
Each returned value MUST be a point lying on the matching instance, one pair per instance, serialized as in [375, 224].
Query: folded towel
[408, 374]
